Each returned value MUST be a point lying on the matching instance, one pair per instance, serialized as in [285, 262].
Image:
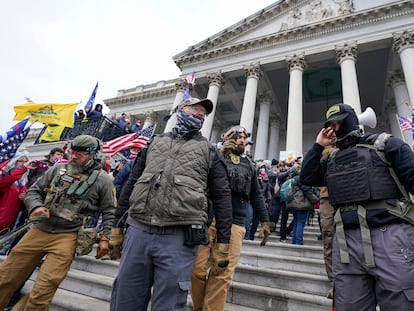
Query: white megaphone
[368, 117]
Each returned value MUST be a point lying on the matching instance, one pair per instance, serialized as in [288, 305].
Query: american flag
[406, 124]
[12, 139]
[190, 80]
[128, 141]
[112, 147]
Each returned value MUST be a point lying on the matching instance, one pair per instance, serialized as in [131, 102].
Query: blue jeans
[157, 260]
[299, 221]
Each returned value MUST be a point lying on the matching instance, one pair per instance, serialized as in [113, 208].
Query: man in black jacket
[166, 195]
[209, 288]
[373, 250]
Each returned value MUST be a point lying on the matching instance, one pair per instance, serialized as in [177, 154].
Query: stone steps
[278, 276]
[65, 300]
[284, 249]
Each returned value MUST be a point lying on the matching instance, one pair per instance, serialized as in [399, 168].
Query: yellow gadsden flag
[59, 114]
[52, 133]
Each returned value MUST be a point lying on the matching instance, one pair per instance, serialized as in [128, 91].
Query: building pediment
[285, 21]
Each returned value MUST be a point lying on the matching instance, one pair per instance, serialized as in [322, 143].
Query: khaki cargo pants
[35, 244]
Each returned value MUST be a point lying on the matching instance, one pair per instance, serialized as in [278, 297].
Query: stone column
[404, 45]
[215, 134]
[273, 150]
[150, 119]
[346, 56]
[180, 87]
[402, 101]
[294, 131]
[260, 152]
[391, 111]
[216, 81]
[253, 75]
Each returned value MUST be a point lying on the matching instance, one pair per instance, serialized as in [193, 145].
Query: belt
[367, 205]
[348, 207]
[166, 230]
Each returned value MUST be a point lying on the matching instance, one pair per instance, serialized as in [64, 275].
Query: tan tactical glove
[103, 247]
[266, 233]
[219, 258]
[115, 241]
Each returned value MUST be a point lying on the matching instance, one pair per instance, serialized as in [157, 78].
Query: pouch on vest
[87, 235]
[86, 240]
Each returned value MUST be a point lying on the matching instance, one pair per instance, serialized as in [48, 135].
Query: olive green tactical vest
[65, 193]
[172, 189]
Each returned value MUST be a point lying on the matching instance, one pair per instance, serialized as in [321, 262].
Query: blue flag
[186, 92]
[89, 104]
[12, 139]
[15, 129]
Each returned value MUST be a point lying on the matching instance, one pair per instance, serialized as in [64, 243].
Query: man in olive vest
[65, 199]
[166, 195]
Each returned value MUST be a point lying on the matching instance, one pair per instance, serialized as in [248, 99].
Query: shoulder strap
[87, 183]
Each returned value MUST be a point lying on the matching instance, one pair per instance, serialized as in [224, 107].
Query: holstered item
[403, 209]
[196, 235]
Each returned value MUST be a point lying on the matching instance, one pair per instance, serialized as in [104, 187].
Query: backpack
[287, 190]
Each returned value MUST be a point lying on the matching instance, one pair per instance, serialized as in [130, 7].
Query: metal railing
[102, 128]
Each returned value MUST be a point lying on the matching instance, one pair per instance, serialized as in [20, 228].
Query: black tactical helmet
[86, 143]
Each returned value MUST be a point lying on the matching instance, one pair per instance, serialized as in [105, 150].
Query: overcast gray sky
[55, 51]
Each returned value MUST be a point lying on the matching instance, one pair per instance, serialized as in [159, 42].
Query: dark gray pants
[390, 284]
[157, 260]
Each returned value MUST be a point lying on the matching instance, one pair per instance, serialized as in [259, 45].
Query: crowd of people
[176, 212]
[123, 121]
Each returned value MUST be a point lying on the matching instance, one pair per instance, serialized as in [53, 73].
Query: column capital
[403, 40]
[215, 78]
[274, 121]
[346, 51]
[253, 71]
[265, 98]
[180, 86]
[150, 116]
[296, 62]
[396, 78]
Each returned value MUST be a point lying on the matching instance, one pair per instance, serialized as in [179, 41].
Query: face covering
[262, 170]
[187, 122]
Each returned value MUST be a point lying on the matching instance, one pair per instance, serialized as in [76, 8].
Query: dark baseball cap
[338, 112]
